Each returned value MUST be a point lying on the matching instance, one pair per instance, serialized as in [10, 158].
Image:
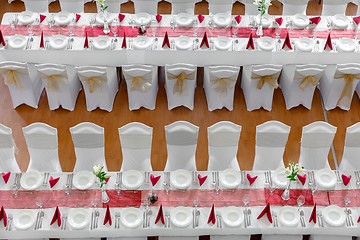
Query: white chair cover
[102, 93]
[182, 6]
[181, 142]
[36, 5]
[62, 85]
[223, 141]
[220, 6]
[281, 237]
[180, 92]
[257, 95]
[148, 6]
[332, 7]
[142, 85]
[292, 7]
[329, 237]
[113, 5]
[316, 141]
[336, 91]
[42, 142]
[351, 152]
[219, 85]
[73, 6]
[136, 141]
[88, 139]
[24, 84]
[8, 161]
[271, 138]
[298, 83]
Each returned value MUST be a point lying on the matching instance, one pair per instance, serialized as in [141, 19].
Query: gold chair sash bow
[307, 81]
[94, 82]
[271, 80]
[53, 81]
[140, 83]
[11, 77]
[347, 91]
[179, 84]
[221, 85]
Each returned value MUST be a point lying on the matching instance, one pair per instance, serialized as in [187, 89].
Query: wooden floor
[200, 116]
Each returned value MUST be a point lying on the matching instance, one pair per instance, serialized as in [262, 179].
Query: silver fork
[117, 220]
[357, 178]
[10, 219]
[302, 218]
[46, 177]
[275, 219]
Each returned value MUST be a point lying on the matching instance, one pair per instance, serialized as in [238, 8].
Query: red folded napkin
[202, 179]
[123, 45]
[279, 20]
[53, 181]
[154, 179]
[205, 41]
[158, 18]
[57, 216]
[251, 179]
[121, 17]
[107, 179]
[42, 44]
[86, 43]
[42, 18]
[346, 179]
[166, 41]
[328, 43]
[356, 19]
[238, 19]
[287, 42]
[315, 20]
[3, 216]
[160, 216]
[266, 210]
[250, 43]
[302, 178]
[201, 18]
[107, 218]
[77, 17]
[212, 215]
[358, 219]
[2, 39]
[6, 176]
[313, 215]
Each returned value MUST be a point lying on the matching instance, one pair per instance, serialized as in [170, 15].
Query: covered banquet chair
[350, 160]
[113, 5]
[73, 6]
[37, 5]
[220, 6]
[182, 6]
[333, 7]
[292, 7]
[145, 6]
[8, 161]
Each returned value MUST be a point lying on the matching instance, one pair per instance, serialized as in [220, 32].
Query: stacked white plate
[132, 179]
[230, 178]
[63, 18]
[222, 19]
[279, 178]
[266, 43]
[83, 180]
[58, 42]
[141, 42]
[334, 216]
[222, 43]
[78, 218]
[289, 216]
[184, 19]
[340, 21]
[304, 44]
[183, 43]
[232, 216]
[17, 41]
[31, 180]
[300, 20]
[101, 43]
[180, 179]
[24, 219]
[266, 20]
[181, 216]
[142, 18]
[325, 178]
[346, 45]
[26, 17]
[131, 217]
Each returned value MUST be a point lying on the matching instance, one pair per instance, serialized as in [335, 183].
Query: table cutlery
[91, 44]
[144, 219]
[71, 42]
[92, 220]
[172, 23]
[350, 217]
[46, 178]
[195, 178]
[320, 220]
[338, 178]
[167, 221]
[249, 217]
[302, 218]
[274, 219]
[267, 183]
[97, 214]
[37, 220]
[27, 43]
[149, 213]
[347, 219]
[357, 175]
[62, 226]
[218, 218]
[68, 44]
[117, 220]
[10, 219]
[31, 40]
[245, 218]
[147, 178]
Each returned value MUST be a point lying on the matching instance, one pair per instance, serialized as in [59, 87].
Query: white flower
[97, 169]
[287, 171]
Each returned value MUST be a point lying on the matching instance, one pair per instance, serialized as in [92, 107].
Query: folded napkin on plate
[250, 43]
[205, 41]
[266, 210]
[315, 20]
[287, 42]
[313, 215]
[328, 43]
[251, 179]
[3, 216]
[6, 176]
[160, 215]
[279, 20]
[302, 178]
[202, 179]
[107, 218]
[121, 17]
[158, 18]
[2, 39]
[212, 215]
[154, 179]
[238, 19]
[77, 17]
[53, 181]
[42, 44]
[57, 216]
[346, 179]
[42, 18]
[356, 19]
[86, 42]
[201, 18]
[166, 41]
[123, 45]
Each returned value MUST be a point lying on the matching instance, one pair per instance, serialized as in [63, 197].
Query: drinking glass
[246, 200]
[30, 30]
[300, 201]
[15, 190]
[154, 26]
[195, 27]
[114, 27]
[234, 28]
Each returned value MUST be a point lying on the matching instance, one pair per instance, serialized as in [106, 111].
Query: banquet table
[206, 196]
[159, 56]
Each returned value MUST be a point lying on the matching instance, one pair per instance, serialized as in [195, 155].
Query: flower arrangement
[292, 170]
[103, 7]
[262, 5]
[99, 172]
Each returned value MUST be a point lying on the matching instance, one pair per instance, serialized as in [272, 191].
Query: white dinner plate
[184, 19]
[83, 180]
[131, 217]
[24, 219]
[58, 42]
[266, 20]
[26, 17]
[300, 20]
[78, 218]
[17, 41]
[101, 43]
[183, 43]
[181, 216]
[340, 21]
[334, 215]
[222, 19]
[230, 178]
[279, 178]
[132, 179]
[346, 45]
[232, 216]
[266, 43]
[31, 180]
[304, 44]
[142, 18]
[222, 43]
[325, 178]
[141, 42]
[180, 179]
[100, 18]
[63, 18]
[289, 216]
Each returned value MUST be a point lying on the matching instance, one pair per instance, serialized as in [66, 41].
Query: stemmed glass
[300, 201]
[15, 190]
[114, 27]
[234, 28]
[154, 26]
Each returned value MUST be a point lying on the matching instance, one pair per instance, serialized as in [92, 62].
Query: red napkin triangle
[287, 42]
[123, 45]
[356, 19]
[2, 39]
[53, 181]
[250, 43]
[251, 179]
[42, 45]
[302, 178]
[238, 19]
[57, 216]
[346, 179]
[86, 43]
[212, 215]
[160, 216]
[202, 179]
[77, 17]
[107, 179]
[3, 216]
[313, 215]
[266, 210]
[358, 219]
[154, 179]
[6, 176]
[201, 18]
[328, 43]
[279, 20]
[121, 17]
[315, 20]
[158, 18]
[42, 18]
[205, 41]
[107, 216]
[166, 41]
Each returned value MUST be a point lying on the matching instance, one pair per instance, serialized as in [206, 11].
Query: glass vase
[286, 194]
[104, 196]
[259, 30]
[106, 23]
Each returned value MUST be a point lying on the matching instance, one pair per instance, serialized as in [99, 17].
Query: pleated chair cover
[180, 92]
[332, 7]
[220, 6]
[250, 7]
[298, 84]
[219, 86]
[281, 236]
[271, 139]
[42, 142]
[316, 141]
[259, 95]
[338, 84]
[181, 142]
[292, 7]
[351, 153]
[62, 85]
[142, 85]
[101, 94]
[73, 6]
[136, 141]
[147, 6]
[36, 5]
[113, 5]
[223, 141]
[8, 161]
[182, 6]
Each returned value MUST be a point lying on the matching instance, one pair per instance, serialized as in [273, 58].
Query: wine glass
[39, 202]
[277, 32]
[154, 26]
[234, 28]
[114, 27]
[246, 200]
[15, 190]
[300, 201]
